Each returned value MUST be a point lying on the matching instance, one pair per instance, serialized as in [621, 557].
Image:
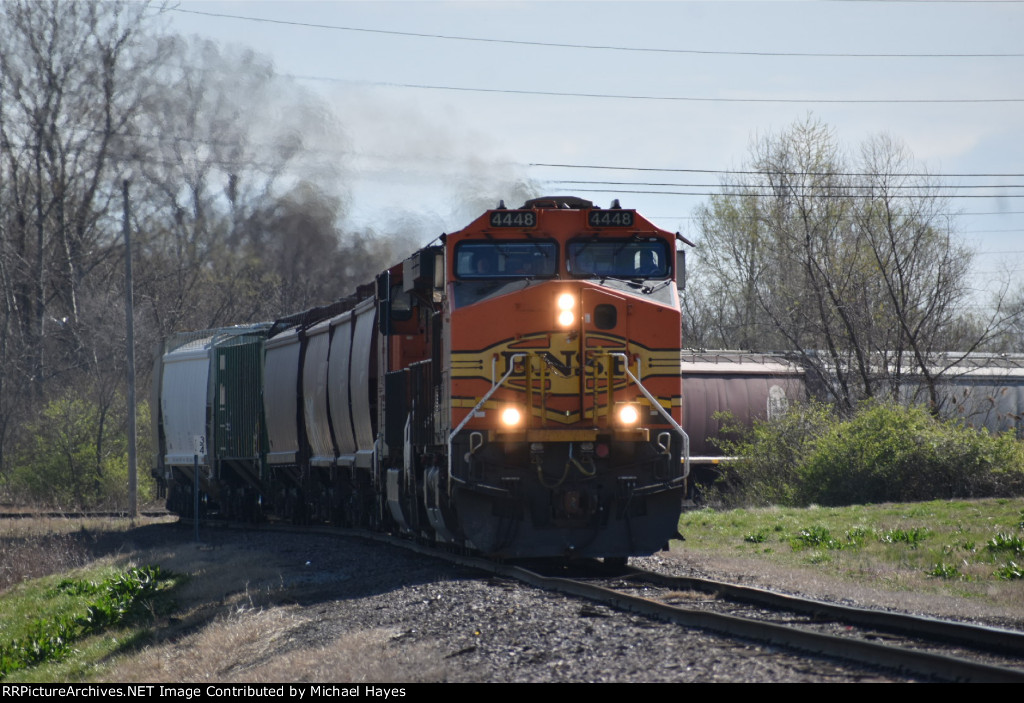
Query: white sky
[416, 152]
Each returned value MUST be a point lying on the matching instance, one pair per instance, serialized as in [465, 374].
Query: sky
[444, 105]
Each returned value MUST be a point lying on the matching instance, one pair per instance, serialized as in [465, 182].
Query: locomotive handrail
[484, 399]
[668, 417]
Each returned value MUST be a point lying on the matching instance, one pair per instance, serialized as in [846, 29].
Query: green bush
[887, 452]
[883, 453]
[768, 456]
[76, 456]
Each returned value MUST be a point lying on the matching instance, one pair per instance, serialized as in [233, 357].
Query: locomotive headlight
[511, 417]
[628, 414]
[566, 306]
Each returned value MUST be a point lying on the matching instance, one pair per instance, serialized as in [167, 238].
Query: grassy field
[971, 549]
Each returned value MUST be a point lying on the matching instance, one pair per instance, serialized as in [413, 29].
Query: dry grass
[31, 547]
[31, 556]
[265, 646]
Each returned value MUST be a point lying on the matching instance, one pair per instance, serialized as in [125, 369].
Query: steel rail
[909, 661]
[994, 639]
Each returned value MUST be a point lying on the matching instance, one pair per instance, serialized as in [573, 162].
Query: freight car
[745, 386]
[513, 389]
[981, 390]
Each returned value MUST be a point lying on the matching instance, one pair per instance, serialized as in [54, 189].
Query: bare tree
[69, 83]
[850, 265]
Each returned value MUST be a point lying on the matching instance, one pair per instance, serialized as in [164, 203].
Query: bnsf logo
[567, 366]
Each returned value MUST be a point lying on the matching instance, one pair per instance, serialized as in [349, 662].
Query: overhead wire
[597, 167]
[673, 98]
[624, 96]
[768, 195]
[830, 186]
[195, 140]
[603, 47]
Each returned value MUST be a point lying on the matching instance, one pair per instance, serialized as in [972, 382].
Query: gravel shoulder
[812, 583]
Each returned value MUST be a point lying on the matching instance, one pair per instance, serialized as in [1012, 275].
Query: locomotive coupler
[585, 463]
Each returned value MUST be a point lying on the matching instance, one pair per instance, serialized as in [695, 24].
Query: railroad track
[913, 645]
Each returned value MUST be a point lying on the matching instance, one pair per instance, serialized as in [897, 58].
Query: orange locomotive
[515, 390]
[531, 396]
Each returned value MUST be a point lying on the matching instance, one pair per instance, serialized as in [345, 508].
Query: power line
[946, 214]
[766, 195]
[783, 173]
[246, 143]
[854, 186]
[672, 98]
[187, 160]
[601, 47]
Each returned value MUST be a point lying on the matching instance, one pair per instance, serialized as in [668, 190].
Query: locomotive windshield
[506, 259]
[619, 258]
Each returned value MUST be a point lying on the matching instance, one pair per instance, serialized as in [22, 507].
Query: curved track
[913, 645]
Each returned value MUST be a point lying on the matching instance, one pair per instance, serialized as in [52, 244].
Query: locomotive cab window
[636, 257]
[506, 259]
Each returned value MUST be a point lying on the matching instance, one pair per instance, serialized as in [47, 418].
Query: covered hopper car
[513, 389]
[735, 388]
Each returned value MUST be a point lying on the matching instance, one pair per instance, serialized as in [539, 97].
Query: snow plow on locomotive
[514, 389]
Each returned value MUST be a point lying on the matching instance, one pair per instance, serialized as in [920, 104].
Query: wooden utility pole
[133, 484]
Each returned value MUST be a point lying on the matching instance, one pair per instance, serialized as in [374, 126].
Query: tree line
[234, 206]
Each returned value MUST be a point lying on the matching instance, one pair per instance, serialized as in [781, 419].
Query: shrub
[768, 455]
[883, 453]
[76, 456]
[887, 452]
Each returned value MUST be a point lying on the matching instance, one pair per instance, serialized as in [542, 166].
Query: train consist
[514, 389]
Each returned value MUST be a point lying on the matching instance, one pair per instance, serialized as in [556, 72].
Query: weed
[912, 537]
[814, 537]
[1005, 543]
[818, 558]
[1009, 572]
[946, 571]
[117, 599]
[875, 541]
[756, 537]
[857, 536]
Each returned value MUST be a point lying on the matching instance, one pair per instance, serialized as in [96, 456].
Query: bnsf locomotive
[514, 390]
